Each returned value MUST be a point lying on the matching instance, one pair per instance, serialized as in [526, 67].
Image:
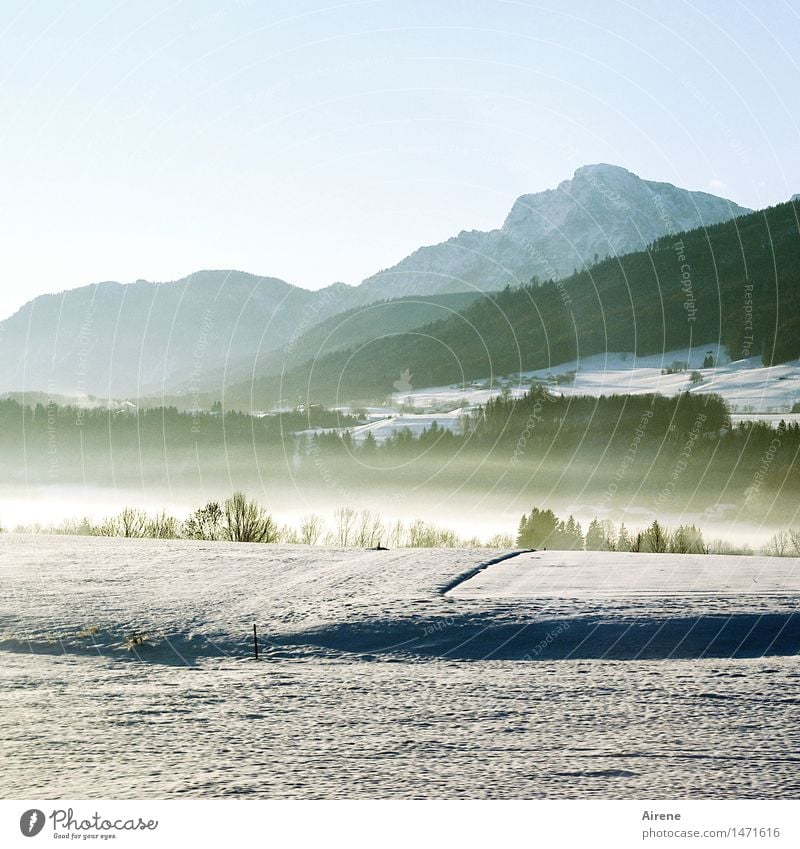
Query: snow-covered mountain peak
[603, 210]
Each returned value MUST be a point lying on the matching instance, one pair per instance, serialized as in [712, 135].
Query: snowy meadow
[128, 671]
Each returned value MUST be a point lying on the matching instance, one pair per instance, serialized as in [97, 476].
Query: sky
[323, 141]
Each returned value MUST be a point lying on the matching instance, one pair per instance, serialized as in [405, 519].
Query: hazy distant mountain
[344, 330]
[604, 210]
[115, 340]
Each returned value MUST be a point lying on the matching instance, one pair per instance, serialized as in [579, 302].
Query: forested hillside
[737, 282]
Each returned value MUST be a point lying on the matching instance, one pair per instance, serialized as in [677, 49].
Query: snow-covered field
[703, 583]
[745, 385]
[415, 422]
[401, 673]
[389, 422]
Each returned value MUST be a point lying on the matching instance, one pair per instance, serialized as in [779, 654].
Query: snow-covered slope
[361, 691]
[195, 600]
[746, 386]
[619, 580]
[604, 210]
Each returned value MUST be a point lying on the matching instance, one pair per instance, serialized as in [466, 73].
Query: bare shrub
[162, 526]
[424, 535]
[130, 522]
[288, 535]
[722, 546]
[500, 541]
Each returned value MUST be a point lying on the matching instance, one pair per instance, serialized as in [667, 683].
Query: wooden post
[255, 640]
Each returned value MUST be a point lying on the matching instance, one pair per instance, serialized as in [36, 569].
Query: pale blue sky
[323, 141]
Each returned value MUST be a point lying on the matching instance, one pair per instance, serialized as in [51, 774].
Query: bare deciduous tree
[369, 530]
[311, 529]
[779, 545]
[397, 535]
[162, 526]
[345, 526]
[246, 521]
[130, 522]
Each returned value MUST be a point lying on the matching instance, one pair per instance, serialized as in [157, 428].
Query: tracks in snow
[466, 576]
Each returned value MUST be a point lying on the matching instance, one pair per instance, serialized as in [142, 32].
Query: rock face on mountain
[114, 340]
[604, 210]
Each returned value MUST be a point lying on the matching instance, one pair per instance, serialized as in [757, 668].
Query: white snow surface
[408, 673]
[196, 600]
[703, 583]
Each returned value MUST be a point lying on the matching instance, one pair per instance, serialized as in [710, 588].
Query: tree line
[541, 528]
[242, 519]
[659, 451]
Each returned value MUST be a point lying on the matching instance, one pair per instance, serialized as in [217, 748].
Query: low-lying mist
[625, 459]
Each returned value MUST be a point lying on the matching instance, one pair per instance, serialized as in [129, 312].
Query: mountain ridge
[125, 339]
[111, 339]
[637, 303]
